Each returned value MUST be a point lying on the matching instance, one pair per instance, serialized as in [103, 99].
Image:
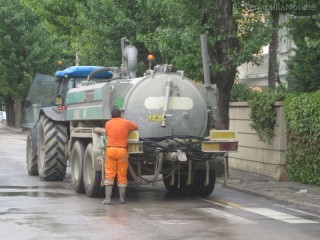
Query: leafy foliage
[240, 92]
[25, 48]
[304, 65]
[170, 29]
[304, 68]
[263, 114]
[303, 134]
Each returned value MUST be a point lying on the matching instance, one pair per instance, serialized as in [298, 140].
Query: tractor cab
[47, 94]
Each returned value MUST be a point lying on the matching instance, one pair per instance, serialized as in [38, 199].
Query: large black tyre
[198, 182]
[207, 190]
[199, 189]
[76, 158]
[31, 156]
[52, 140]
[176, 189]
[91, 177]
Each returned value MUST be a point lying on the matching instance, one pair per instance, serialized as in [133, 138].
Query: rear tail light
[209, 146]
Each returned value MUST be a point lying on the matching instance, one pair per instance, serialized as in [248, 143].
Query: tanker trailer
[175, 143]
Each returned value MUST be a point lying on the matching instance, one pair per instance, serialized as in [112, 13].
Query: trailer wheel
[52, 138]
[76, 158]
[91, 177]
[183, 189]
[199, 180]
[207, 190]
[32, 165]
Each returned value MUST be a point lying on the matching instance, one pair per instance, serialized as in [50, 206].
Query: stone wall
[254, 155]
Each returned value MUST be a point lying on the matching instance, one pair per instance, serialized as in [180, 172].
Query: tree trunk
[18, 112]
[224, 99]
[10, 111]
[273, 50]
[225, 79]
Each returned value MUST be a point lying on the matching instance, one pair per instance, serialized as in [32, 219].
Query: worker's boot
[122, 193]
[107, 201]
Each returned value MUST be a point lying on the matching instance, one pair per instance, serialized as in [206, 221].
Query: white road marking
[278, 215]
[215, 213]
[173, 222]
[303, 212]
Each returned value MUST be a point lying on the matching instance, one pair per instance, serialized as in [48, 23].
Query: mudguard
[51, 112]
[55, 114]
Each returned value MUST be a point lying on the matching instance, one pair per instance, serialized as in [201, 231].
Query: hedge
[302, 113]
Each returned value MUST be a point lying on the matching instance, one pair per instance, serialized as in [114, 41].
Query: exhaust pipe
[131, 60]
[205, 60]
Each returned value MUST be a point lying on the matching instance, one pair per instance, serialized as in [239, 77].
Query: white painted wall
[254, 155]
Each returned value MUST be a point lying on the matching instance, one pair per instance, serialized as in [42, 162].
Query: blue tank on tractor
[82, 72]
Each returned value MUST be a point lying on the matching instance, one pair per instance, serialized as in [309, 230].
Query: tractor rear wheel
[52, 140]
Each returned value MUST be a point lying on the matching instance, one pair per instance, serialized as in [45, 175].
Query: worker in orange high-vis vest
[116, 156]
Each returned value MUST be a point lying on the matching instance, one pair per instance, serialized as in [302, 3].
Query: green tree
[233, 38]
[304, 65]
[90, 29]
[61, 19]
[25, 49]
[170, 29]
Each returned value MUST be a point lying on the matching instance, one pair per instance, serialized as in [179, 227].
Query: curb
[302, 205]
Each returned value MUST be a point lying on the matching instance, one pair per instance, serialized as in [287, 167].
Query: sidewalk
[304, 196]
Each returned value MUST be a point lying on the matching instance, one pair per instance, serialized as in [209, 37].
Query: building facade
[257, 76]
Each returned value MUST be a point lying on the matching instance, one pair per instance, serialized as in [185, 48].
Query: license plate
[154, 117]
[222, 135]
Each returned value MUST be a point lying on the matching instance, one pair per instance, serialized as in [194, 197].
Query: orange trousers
[116, 164]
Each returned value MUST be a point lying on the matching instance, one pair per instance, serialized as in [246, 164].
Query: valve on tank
[166, 103]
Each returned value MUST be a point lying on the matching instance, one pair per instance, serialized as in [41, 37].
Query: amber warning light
[150, 57]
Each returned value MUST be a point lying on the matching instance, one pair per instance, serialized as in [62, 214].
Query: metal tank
[161, 104]
[166, 104]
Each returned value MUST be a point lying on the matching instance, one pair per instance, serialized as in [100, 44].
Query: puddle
[34, 194]
[19, 187]
[34, 187]
[18, 211]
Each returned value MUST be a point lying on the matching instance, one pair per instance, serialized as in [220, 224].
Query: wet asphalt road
[33, 209]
